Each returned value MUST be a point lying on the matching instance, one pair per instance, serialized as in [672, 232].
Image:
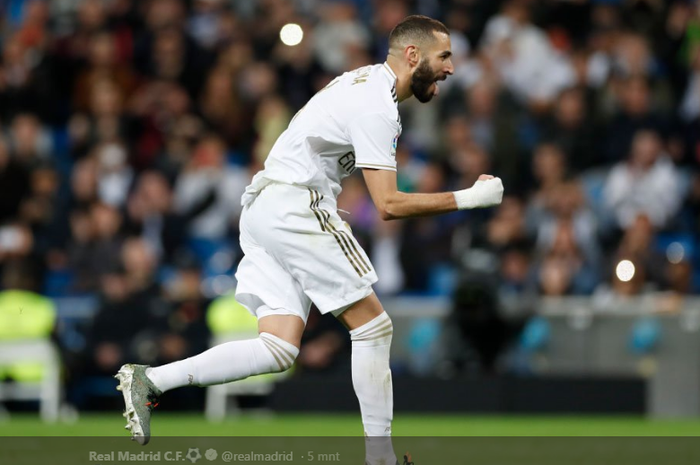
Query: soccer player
[298, 251]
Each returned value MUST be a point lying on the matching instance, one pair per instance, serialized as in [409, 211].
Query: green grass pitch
[170, 424]
[484, 440]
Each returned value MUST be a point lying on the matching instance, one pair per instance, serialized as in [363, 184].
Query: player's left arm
[393, 204]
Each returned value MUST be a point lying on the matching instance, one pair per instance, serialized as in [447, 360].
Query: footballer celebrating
[298, 251]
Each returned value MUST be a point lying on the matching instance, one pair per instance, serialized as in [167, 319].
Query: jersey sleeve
[374, 138]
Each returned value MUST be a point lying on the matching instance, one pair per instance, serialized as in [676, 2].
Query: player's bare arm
[393, 204]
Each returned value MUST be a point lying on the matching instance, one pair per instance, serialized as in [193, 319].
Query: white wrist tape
[482, 194]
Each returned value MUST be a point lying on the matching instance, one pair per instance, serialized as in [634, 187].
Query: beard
[421, 81]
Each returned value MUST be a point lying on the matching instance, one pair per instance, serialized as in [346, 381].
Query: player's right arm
[373, 137]
[393, 204]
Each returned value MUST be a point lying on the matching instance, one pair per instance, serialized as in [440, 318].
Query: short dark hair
[416, 28]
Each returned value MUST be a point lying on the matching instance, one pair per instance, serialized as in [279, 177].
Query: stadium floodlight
[625, 271]
[291, 34]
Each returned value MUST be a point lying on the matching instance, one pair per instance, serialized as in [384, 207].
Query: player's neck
[403, 78]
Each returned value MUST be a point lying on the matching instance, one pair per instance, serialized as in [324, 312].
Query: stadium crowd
[129, 129]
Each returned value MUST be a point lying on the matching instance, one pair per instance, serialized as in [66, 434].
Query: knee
[283, 353]
[379, 329]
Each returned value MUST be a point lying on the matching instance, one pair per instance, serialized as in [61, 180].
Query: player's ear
[412, 55]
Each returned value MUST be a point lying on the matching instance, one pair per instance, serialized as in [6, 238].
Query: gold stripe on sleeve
[372, 165]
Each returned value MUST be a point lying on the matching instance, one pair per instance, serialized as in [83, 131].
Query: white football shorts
[298, 251]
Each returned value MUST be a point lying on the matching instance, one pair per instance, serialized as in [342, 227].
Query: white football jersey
[352, 122]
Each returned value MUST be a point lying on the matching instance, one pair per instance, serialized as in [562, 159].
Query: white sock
[371, 378]
[227, 362]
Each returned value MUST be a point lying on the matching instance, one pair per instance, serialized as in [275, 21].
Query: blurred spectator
[356, 206]
[425, 242]
[15, 181]
[90, 18]
[103, 64]
[517, 290]
[115, 175]
[105, 121]
[387, 14]
[131, 299]
[175, 58]
[637, 245]
[679, 277]
[492, 126]
[386, 257]
[140, 264]
[108, 336]
[96, 245]
[325, 345]
[636, 112]
[44, 210]
[573, 130]
[208, 176]
[29, 142]
[300, 73]
[549, 169]
[84, 183]
[184, 325]
[556, 275]
[339, 36]
[603, 38]
[466, 162]
[16, 242]
[150, 214]
[507, 226]
[632, 56]
[567, 240]
[690, 105]
[25, 75]
[646, 184]
[168, 126]
[272, 119]
[222, 107]
[465, 69]
[79, 251]
[526, 60]
[209, 21]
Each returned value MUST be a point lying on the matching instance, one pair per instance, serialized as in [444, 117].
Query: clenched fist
[486, 192]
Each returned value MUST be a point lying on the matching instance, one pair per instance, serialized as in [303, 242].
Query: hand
[486, 192]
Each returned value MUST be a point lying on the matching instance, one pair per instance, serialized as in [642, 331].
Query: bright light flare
[291, 34]
[625, 271]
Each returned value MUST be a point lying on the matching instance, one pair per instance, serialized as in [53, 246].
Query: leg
[286, 327]
[362, 312]
[316, 247]
[268, 290]
[273, 351]
[371, 333]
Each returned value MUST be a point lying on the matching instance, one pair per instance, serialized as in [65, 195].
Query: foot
[140, 398]
[406, 460]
